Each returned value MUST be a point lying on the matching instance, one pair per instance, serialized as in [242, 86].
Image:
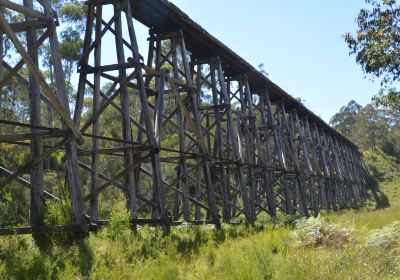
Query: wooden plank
[71, 156]
[287, 125]
[251, 142]
[116, 106]
[90, 47]
[108, 68]
[318, 165]
[327, 172]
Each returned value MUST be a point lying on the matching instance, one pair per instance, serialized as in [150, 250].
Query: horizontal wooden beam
[82, 228]
[32, 135]
[25, 183]
[25, 25]
[21, 9]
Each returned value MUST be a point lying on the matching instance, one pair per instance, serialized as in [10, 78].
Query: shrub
[317, 232]
[386, 237]
[118, 224]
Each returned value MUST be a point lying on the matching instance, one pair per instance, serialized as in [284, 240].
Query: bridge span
[202, 137]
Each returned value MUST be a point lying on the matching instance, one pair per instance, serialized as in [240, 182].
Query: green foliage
[13, 205]
[193, 252]
[388, 98]
[376, 45]
[386, 237]
[315, 231]
[71, 11]
[57, 213]
[370, 127]
[120, 221]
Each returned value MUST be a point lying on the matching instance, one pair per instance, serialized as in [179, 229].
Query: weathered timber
[203, 135]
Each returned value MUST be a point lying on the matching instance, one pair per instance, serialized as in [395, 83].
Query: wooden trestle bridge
[207, 139]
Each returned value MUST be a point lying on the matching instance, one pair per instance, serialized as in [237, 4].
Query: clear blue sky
[300, 43]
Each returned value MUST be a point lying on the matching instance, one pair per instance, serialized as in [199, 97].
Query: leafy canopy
[376, 47]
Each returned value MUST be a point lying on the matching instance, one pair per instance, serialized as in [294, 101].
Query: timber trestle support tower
[202, 136]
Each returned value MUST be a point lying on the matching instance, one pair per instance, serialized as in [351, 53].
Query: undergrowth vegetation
[351, 244]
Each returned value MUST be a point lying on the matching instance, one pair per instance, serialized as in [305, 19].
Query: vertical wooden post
[36, 174]
[182, 167]
[126, 124]
[356, 155]
[155, 158]
[253, 137]
[236, 145]
[299, 181]
[71, 148]
[82, 63]
[276, 127]
[315, 144]
[309, 169]
[325, 169]
[351, 188]
[337, 172]
[197, 194]
[94, 204]
[218, 141]
[356, 181]
[194, 106]
[268, 175]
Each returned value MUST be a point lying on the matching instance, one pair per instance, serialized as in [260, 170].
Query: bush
[317, 232]
[386, 237]
[120, 222]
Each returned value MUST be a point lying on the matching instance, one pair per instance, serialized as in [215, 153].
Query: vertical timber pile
[195, 142]
[39, 90]
[36, 173]
[137, 155]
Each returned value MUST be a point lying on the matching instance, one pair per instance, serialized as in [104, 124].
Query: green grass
[349, 245]
[368, 218]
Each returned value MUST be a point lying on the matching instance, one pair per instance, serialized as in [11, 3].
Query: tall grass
[345, 245]
[199, 253]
